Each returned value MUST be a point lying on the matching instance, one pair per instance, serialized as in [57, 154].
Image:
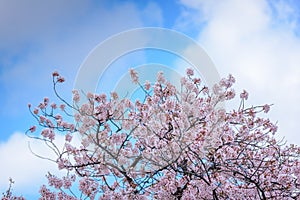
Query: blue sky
[257, 41]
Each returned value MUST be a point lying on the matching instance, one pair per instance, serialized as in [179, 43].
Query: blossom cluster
[173, 143]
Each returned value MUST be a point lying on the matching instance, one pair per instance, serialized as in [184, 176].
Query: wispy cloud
[56, 36]
[256, 42]
[19, 163]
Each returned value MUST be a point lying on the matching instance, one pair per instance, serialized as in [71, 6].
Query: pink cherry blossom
[160, 77]
[175, 143]
[147, 85]
[62, 107]
[266, 108]
[55, 73]
[134, 76]
[60, 79]
[36, 111]
[68, 137]
[90, 95]
[114, 95]
[53, 105]
[32, 129]
[76, 96]
[189, 71]
[244, 95]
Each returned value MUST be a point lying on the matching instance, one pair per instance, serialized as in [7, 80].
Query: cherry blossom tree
[173, 143]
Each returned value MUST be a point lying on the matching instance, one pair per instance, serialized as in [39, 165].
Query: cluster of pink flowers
[171, 144]
[134, 76]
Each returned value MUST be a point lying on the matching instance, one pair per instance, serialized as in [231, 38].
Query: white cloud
[34, 20]
[27, 170]
[256, 42]
[73, 32]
